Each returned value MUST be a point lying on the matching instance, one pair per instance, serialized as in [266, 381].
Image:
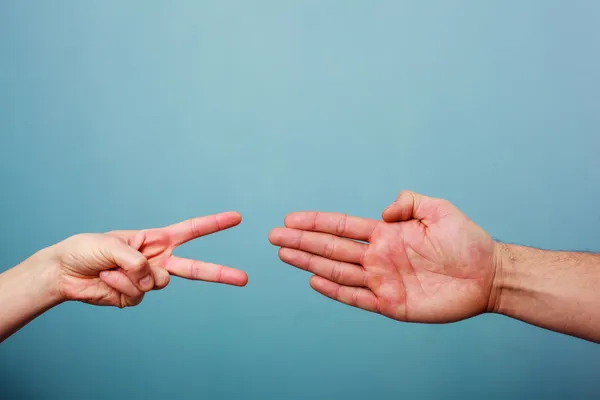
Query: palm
[436, 268]
[429, 274]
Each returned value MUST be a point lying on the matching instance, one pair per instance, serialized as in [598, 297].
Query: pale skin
[111, 269]
[426, 261]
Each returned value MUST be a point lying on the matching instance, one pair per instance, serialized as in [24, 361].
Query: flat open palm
[425, 262]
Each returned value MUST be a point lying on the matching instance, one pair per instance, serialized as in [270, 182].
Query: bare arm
[427, 262]
[555, 290]
[26, 291]
[113, 269]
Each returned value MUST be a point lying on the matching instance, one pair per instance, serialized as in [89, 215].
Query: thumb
[134, 264]
[406, 207]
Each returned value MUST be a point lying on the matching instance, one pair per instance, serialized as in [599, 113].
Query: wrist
[27, 291]
[514, 280]
[500, 260]
[42, 271]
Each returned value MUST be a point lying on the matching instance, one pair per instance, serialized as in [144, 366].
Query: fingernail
[146, 281]
[104, 274]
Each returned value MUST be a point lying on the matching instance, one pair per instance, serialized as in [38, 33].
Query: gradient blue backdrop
[138, 114]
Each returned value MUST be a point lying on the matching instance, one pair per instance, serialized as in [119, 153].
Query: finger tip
[163, 283]
[313, 281]
[292, 219]
[291, 256]
[274, 235]
[241, 280]
[388, 215]
[147, 283]
[234, 277]
[235, 216]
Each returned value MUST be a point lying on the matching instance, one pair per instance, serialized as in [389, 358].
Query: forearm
[26, 291]
[555, 290]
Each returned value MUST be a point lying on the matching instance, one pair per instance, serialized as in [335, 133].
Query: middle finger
[321, 244]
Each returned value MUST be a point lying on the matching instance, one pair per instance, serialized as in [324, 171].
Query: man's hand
[117, 268]
[425, 262]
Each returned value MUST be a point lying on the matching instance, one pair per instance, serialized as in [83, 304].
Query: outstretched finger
[336, 271]
[322, 244]
[335, 223]
[352, 296]
[203, 271]
[185, 231]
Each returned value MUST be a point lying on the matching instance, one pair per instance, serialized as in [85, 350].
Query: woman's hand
[118, 268]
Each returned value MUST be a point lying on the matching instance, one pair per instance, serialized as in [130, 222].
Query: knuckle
[365, 280]
[299, 240]
[336, 272]
[404, 193]
[329, 249]
[115, 277]
[110, 240]
[194, 227]
[313, 224]
[340, 228]
[162, 281]
[139, 264]
[194, 270]
[78, 236]
[443, 206]
[337, 293]
[354, 298]
[132, 301]
[218, 223]
[79, 239]
[311, 263]
[443, 202]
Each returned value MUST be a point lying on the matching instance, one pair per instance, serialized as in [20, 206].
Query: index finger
[185, 231]
[335, 223]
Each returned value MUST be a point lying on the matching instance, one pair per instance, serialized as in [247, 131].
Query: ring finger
[336, 271]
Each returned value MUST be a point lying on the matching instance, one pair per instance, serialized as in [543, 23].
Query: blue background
[138, 114]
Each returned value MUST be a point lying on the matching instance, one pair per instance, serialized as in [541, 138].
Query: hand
[118, 267]
[425, 262]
